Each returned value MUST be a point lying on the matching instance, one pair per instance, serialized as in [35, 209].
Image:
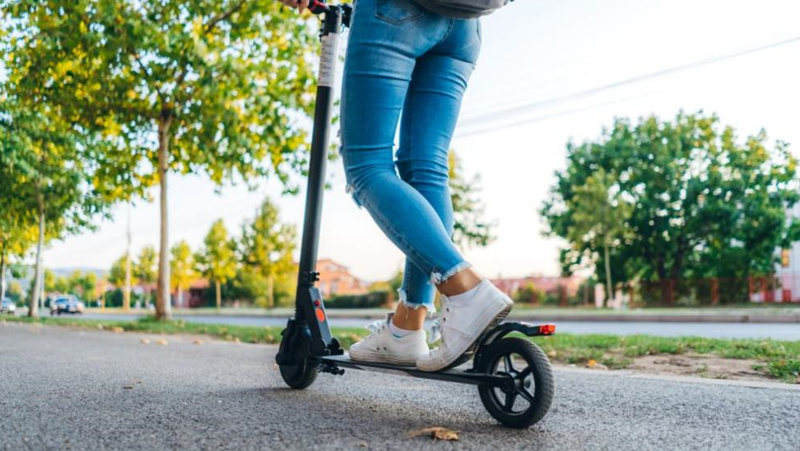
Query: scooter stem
[308, 299]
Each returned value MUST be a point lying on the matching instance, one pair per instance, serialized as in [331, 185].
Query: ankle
[460, 283]
[408, 318]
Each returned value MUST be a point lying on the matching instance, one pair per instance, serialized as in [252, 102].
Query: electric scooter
[513, 375]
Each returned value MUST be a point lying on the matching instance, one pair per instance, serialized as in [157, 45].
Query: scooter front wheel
[529, 399]
[303, 371]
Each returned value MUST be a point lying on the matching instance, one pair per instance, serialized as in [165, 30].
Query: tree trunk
[38, 277]
[126, 295]
[3, 272]
[219, 296]
[163, 307]
[609, 292]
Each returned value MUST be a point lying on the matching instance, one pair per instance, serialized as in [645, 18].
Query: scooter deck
[462, 376]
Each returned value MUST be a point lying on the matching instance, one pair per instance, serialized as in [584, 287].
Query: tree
[599, 216]
[83, 285]
[216, 260]
[266, 247]
[43, 171]
[182, 269]
[118, 272]
[704, 203]
[529, 293]
[470, 228]
[144, 269]
[185, 86]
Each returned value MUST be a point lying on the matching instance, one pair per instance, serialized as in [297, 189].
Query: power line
[540, 118]
[592, 91]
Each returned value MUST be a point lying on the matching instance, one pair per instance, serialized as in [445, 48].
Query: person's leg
[470, 305]
[376, 79]
[437, 85]
[386, 38]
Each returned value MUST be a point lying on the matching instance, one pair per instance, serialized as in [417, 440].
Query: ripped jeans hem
[439, 278]
[403, 299]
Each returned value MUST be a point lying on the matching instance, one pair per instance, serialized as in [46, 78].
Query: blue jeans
[401, 57]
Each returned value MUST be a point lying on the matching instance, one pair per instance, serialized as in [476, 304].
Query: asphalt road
[777, 331]
[68, 389]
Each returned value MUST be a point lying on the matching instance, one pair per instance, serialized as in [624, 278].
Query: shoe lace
[435, 331]
[376, 326]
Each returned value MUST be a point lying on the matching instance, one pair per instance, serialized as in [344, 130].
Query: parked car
[8, 306]
[66, 304]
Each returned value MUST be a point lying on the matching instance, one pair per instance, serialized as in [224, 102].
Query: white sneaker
[464, 318]
[382, 346]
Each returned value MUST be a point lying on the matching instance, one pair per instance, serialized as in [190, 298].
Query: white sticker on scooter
[327, 63]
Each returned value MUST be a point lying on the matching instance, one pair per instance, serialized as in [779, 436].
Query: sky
[536, 54]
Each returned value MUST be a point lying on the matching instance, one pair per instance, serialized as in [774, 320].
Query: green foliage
[529, 294]
[699, 202]
[470, 228]
[216, 260]
[183, 266]
[116, 275]
[266, 248]
[374, 299]
[786, 369]
[169, 86]
[144, 268]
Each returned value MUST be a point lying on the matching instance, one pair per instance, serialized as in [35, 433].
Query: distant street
[778, 331]
[68, 389]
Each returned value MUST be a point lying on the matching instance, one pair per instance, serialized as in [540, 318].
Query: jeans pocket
[398, 12]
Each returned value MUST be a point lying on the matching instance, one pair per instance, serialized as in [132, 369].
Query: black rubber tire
[540, 369]
[305, 372]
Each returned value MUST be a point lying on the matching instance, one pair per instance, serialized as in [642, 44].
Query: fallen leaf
[128, 387]
[117, 330]
[162, 342]
[197, 341]
[363, 444]
[436, 433]
[144, 341]
[236, 340]
[552, 354]
[591, 363]
[101, 327]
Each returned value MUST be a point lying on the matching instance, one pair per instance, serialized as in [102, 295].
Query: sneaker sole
[470, 350]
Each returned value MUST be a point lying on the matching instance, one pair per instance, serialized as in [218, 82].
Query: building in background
[335, 279]
[559, 287]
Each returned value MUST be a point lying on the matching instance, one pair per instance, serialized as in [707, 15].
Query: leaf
[144, 341]
[197, 341]
[436, 433]
[591, 363]
[162, 342]
[117, 330]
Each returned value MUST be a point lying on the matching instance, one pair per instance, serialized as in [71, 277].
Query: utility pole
[126, 302]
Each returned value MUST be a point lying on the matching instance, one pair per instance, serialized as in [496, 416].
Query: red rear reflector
[320, 315]
[547, 329]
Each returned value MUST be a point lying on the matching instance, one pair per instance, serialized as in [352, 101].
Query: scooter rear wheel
[534, 386]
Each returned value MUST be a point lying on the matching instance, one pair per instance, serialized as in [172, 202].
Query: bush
[375, 299]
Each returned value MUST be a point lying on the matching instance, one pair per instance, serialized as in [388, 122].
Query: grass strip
[781, 359]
